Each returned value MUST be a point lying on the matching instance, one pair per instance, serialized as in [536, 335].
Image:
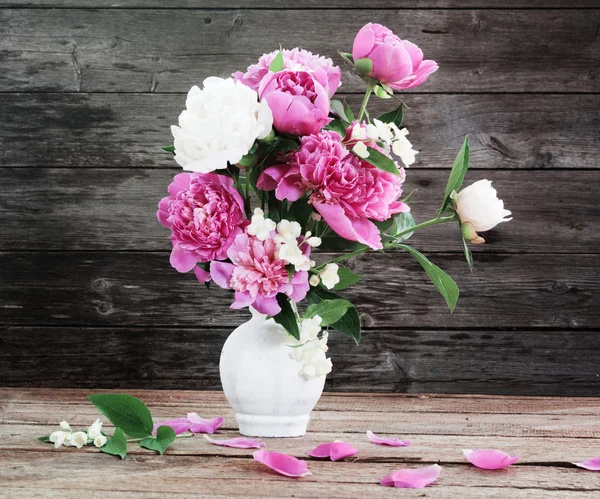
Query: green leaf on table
[467, 252]
[394, 116]
[165, 436]
[169, 149]
[45, 439]
[402, 222]
[116, 445]
[277, 64]
[330, 311]
[126, 412]
[349, 324]
[347, 278]
[381, 161]
[337, 108]
[457, 174]
[287, 316]
[442, 281]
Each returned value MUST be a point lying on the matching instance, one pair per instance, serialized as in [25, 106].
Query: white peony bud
[360, 149]
[329, 275]
[79, 439]
[479, 209]
[100, 440]
[314, 280]
[95, 429]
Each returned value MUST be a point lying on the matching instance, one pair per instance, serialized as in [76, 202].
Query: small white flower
[372, 132]
[100, 440]
[309, 371]
[289, 230]
[314, 280]
[402, 147]
[360, 149]
[329, 275]
[64, 426]
[314, 241]
[310, 328]
[358, 132]
[95, 429]
[260, 227]
[219, 125]
[57, 438]
[312, 264]
[79, 439]
[324, 367]
[383, 131]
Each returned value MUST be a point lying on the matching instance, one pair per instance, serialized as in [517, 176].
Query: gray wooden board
[542, 131]
[164, 50]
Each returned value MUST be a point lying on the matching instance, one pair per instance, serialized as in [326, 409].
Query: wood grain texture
[114, 209]
[502, 362]
[135, 51]
[108, 130]
[141, 289]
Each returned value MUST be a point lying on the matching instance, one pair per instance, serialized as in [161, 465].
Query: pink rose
[397, 63]
[205, 213]
[298, 100]
[296, 59]
[347, 191]
[257, 275]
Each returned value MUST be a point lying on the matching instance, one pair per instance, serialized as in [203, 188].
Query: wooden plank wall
[88, 90]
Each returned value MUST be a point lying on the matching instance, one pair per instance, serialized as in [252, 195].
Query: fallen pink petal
[413, 478]
[333, 450]
[237, 443]
[592, 464]
[200, 425]
[179, 425]
[282, 463]
[489, 459]
[392, 442]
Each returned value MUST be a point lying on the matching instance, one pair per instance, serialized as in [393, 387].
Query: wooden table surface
[548, 433]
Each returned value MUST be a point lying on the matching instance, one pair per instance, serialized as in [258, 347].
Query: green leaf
[349, 324]
[458, 172]
[347, 56]
[45, 439]
[394, 116]
[404, 221]
[408, 198]
[381, 161]
[348, 111]
[287, 316]
[116, 445]
[333, 242]
[169, 149]
[277, 64]
[442, 281]
[165, 436]
[291, 270]
[300, 211]
[381, 93]
[337, 125]
[347, 278]
[364, 66]
[338, 109]
[467, 252]
[330, 311]
[284, 145]
[126, 412]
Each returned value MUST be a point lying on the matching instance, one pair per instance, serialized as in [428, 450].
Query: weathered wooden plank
[141, 289]
[500, 362]
[104, 130]
[113, 209]
[136, 50]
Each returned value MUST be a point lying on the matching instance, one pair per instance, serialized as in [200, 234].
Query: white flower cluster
[286, 239]
[65, 436]
[310, 349]
[389, 134]
[328, 276]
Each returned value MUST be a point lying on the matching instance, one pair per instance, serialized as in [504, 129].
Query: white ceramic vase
[262, 383]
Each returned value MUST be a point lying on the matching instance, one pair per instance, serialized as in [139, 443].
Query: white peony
[219, 125]
[329, 275]
[479, 209]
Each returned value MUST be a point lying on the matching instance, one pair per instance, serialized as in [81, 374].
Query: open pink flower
[299, 100]
[257, 275]
[205, 213]
[413, 478]
[398, 63]
[392, 442]
[347, 191]
[282, 463]
[489, 459]
[193, 423]
[296, 59]
[237, 443]
[592, 464]
[333, 450]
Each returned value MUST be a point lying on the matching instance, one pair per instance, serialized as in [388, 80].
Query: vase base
[252, 425]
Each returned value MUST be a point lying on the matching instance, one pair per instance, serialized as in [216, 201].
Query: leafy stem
[363, 106]
[183, 435]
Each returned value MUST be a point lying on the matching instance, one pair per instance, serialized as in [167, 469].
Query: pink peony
[205, 213]
[298, 100]
[257, 275]
[297, 60]
[398, 63]
[347, 191]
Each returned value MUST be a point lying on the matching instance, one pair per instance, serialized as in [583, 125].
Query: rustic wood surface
[88, 90]
[548, 433]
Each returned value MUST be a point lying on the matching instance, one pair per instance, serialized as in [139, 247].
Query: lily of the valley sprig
[278, 170]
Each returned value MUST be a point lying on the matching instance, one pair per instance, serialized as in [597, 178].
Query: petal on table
[333, 450]
[201, 425]
[282, 463]
[489, 459]
[393, 441]
[592, 464]
[413, 478]
[179, 425]
[237, 443]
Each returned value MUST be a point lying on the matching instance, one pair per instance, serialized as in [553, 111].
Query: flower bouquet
[277, 169]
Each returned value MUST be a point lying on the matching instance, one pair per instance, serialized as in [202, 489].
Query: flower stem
[363, 107]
